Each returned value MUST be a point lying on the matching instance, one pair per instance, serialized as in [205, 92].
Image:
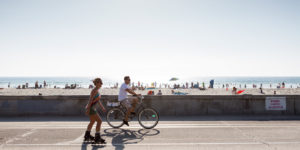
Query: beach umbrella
[174, 79]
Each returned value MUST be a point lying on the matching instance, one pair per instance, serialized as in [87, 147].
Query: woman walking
[92, 113]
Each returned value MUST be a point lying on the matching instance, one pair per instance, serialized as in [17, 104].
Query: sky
[155, 39]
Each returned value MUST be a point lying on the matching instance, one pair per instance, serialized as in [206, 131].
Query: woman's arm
[102, 107]
[100, 104]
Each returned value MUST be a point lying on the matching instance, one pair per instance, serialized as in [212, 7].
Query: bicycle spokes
[148, 118]
[115, 118]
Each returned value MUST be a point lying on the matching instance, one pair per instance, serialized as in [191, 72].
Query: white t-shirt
[123, 92]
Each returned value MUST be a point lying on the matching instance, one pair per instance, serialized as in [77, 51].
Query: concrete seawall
[166, 105]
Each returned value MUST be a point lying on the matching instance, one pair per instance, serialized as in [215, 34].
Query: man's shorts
[127, 102]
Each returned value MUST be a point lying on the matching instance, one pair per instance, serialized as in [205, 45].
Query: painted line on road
[20, 136]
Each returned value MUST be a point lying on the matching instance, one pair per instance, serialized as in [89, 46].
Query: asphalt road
[171, 133]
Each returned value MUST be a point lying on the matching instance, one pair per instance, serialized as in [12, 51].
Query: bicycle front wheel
[148, 118]
[114, 118]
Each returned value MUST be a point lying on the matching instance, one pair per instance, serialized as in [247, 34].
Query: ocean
[60, 82]
[84, 82]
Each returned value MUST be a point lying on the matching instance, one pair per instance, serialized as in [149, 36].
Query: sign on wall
[275, 103]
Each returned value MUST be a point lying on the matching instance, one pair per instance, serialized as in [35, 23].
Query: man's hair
[126, 77]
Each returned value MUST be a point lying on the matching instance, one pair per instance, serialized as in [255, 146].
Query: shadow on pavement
[94, 147]
[121, 137]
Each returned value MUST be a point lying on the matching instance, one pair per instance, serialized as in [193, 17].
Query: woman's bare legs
[87, 136]
[99, 122]
[92, 121]
[98, 138]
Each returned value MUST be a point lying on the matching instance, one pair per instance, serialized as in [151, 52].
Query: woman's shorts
[93, 111]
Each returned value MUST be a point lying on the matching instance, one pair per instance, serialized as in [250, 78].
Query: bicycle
[147, 117]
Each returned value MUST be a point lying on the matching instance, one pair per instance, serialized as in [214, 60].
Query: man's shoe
[125, 122]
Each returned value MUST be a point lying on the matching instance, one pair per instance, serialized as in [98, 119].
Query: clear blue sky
[154, 39]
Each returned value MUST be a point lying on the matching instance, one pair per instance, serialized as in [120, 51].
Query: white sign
[275, 103]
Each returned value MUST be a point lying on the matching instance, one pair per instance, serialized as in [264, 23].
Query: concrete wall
[165, 105]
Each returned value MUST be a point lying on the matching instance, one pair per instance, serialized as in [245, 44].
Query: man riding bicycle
[129, 102]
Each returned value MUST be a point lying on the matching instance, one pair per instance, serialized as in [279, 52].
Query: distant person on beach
[36, 85]
[234, 90]
[172, 91]
[150, 92]
[8, 85]
[45, 84]
[159, 93]
[261, 90]
[129, 102]
[93, 114]
[283, 85]
[211, 84]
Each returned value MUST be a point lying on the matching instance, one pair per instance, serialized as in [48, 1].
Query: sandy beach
[107, 91]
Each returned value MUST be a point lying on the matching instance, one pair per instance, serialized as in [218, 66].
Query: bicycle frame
[140, 106]
[118, 113]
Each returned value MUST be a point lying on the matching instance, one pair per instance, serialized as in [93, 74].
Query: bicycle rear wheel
[114, 118]
[148, 118]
